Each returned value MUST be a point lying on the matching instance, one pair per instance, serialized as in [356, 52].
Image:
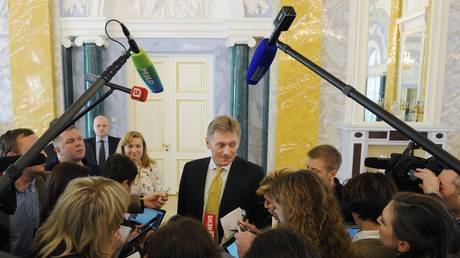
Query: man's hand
[430, 180]
[243, 242]
[155, 200]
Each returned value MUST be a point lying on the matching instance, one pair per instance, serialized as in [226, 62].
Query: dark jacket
[95, 170]
[240, 191]
[113, 143]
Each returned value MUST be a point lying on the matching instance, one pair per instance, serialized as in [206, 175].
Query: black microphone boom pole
[13, 172]
[386, 116]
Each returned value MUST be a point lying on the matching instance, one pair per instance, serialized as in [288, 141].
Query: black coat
[240, 191]
[113, 143]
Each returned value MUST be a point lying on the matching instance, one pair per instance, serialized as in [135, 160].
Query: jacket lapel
[233, 179]
[200, 176]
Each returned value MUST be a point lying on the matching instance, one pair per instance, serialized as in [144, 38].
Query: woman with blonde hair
[148, 178]
[84, 221]
[304, 205]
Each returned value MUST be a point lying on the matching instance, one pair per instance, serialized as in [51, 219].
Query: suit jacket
[113, 143]
[240, 191]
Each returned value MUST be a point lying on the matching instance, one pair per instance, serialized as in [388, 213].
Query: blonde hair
[84, 219]
[266, 183]
[225, 123]
[146, 161]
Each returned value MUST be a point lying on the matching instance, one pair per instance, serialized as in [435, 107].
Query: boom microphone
[143, 64]
[266, 51]
[5, 162]
[378, 163]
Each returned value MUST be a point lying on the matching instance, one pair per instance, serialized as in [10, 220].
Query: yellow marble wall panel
[299, 88]
[32, 63]
[393, 54]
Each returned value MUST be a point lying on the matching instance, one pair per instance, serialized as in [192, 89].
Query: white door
[174, 122]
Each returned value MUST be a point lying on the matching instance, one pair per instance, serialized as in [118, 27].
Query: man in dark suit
[223, 182]
[103, 144]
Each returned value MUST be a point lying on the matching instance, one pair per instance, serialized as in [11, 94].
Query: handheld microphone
[143, 64]
[5, 162]
[266, 51]
[261, 61]
[139, 93]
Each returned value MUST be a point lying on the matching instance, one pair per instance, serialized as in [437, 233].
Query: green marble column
[240, 61]
[266, 102]
[67, 76]
[92, 62]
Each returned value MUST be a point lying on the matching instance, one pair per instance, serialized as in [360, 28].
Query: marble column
[67, 76]
[240, 60]
[92, 65]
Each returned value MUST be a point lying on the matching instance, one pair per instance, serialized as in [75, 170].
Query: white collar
[105, 138]
[212, 165]
[366, 234]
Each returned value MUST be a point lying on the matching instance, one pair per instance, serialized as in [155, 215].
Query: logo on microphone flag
[210, 223]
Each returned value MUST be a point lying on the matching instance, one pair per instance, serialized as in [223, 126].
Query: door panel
[174, 122]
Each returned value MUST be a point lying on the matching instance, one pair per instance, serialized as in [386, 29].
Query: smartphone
[230, 247]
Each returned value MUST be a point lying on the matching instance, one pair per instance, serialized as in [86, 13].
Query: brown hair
[357, 197]
[8, 140]
[425, 223]
[281, 243]
[146, 161]
[57, 181]
[182, 237]
[328, 154]
[312, 211]
[223, 123]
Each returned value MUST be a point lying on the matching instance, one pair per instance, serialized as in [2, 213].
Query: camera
[402, 166]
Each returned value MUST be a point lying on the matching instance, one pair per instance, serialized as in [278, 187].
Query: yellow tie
[212, 205]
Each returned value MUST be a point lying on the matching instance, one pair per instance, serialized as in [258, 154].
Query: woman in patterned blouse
[148, 178]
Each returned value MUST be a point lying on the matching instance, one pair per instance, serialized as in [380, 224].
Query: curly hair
[312, 211]
[267, 182]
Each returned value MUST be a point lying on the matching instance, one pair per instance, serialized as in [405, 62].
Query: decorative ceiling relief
[257, 8]
[74, 8]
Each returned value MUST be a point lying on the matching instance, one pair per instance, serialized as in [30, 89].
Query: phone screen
[352, 231]
[232, 249]
[147, 215]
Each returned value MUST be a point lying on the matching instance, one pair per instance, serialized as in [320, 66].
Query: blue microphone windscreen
[260, 62]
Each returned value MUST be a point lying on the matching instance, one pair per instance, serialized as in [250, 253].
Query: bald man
[103, 144]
